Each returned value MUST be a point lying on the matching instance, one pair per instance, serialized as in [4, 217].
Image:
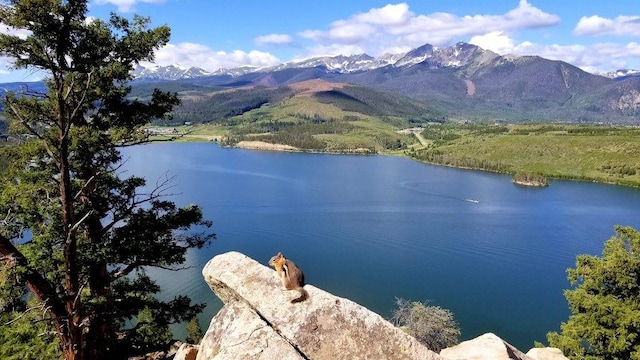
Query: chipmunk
[291, 276]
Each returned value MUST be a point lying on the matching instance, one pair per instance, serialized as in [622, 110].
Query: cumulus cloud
[599, 26]
[276, 39]
[526, 16]
[496, 41]
[127, 5]
[595, 58]
[396, 26]
[633, 48]
[388, 15]
[444, 28]
[351, 33]
[190, 54]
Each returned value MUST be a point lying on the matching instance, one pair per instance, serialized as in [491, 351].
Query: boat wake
[415, 186]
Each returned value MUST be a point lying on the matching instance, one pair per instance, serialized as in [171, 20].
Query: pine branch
[24, 313]
[39, 285]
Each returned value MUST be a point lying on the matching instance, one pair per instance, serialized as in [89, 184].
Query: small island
[530, 179]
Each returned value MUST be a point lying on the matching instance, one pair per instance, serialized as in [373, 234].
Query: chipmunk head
[275, 259]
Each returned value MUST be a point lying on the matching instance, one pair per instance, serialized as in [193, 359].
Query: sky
[594, 35]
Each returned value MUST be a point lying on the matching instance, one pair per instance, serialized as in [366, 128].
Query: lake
[373, 228]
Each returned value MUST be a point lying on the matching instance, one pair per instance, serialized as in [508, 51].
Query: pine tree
[605, 302]
[90, 233]
[194, 331]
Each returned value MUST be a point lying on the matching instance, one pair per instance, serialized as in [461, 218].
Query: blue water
[373, 228]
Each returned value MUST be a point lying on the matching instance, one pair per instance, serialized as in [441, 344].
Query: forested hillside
[313, 115]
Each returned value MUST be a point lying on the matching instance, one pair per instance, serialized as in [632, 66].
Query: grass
[569, 152]
[190, 133]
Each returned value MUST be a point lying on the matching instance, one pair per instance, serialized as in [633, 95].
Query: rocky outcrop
[186, 352]
[546, 353]
[487, 346]
[259, 322]
[530, 179]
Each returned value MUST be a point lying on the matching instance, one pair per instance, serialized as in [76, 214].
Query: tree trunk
[102, 334]
[72, 341]
[43, 291]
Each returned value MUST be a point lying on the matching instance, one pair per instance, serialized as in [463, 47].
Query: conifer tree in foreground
[605, 303]
[92, 231]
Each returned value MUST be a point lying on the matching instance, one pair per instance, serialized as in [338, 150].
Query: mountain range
[444, 57]
[463, 81]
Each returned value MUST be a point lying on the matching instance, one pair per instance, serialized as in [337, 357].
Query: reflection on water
[372, 228]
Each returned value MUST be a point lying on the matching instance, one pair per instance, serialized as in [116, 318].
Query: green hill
[313, 115]
[573, 152]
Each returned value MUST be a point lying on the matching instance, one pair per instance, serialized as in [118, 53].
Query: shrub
[433, 326]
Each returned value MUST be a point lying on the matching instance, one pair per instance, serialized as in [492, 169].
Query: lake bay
[373, 228]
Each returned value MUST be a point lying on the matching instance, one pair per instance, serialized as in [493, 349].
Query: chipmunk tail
[304, 295]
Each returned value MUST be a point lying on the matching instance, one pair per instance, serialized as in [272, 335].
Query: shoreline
[530, 183]
[265, 146]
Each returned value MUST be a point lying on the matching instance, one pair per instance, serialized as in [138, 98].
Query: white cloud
[351, 33]
[526, 16]
[21, 33]
[10, 74]
[633, 49]
[496, 41]
[276, 39]
[442, 28]
[596, 58]
[341, 32]
[190, 54]
[127, 5]
[599, 26]
[396, 26]
[315, 35]
[387, 15]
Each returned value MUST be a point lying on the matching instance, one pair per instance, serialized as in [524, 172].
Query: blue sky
[595, 35]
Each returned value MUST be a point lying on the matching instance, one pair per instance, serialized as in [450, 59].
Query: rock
[156, 355]
[258, 321]
[186, 352]
[237, 332]
[160, 355]
[484, 347]
[547, 353]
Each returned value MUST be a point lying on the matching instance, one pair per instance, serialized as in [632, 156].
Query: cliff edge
[259, 322]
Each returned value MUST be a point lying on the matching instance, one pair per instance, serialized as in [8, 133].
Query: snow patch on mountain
[171, 72]
[621, 73]
[459, 55]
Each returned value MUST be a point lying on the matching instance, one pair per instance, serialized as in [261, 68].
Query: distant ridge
[463, 81]
[171, 72]
[452, 56]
